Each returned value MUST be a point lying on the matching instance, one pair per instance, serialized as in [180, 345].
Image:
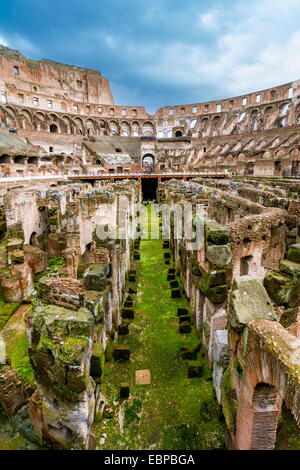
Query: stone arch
[33, 160]
[114, 128]
[79, 125]
[25, 119]
[53, 117]
[271, 366]
[10, 110]
[5, 159]
[147, 129]
[90, 126]
[53, 128]
[294, 153]
[20, 159]
[135, 128]
[204, 124]
[216, 122]
[66, 124]
[148, 162]
[33, 241]
[178, 133]
[268, 110]
[125, 129]
[265, 417]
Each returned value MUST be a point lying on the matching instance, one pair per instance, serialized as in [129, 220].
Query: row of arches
[86, 126]
[34, 160]
[270, 116]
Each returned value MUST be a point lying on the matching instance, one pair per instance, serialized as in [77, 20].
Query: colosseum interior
[127, 342]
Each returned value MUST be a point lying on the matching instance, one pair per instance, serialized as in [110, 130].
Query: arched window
[53, 128]
[148, 162]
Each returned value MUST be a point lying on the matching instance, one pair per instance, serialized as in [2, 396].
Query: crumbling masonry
[68, 157]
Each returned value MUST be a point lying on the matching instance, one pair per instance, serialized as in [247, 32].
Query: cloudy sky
[163, 52]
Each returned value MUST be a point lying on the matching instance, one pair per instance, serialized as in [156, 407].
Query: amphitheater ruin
[128, 342]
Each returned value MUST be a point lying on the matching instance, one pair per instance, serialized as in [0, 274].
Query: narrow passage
[174, 411]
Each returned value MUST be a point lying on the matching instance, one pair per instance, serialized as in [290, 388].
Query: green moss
[19, 359]
[6, 311]
[55, 261]
[239, 368]
[168, 416]
[229, 401]
[288, 433]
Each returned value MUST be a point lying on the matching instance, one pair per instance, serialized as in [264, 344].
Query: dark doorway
[178, 134]
[250, 168]
[277, 167]
[245, 265]
[149, 188]
[53, 128]
[296, 168]
[33, 239]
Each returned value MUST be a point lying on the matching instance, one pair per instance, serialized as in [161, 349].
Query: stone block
[249, 301]
[182, 311]
[185, 328]
[195, 368]
[127, 313]
[220, 348]
[174, 284]
[95, 278]
[132, 290]
[175, 293]
[17, 256]
[97, 360]
[283, 289]
[121, 353]
[216, 233]
[219, 255]
[294, 253]
[124, 390]
[188, 354]
[184, 318]
[123, 329]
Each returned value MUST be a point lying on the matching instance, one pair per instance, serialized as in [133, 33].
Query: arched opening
[265, 417]
[53, 128]
[33, 239]
[33, 160]
[5, 159]
[20, 160]
[245, 265]
[178, 134]
[148, 163]
[277, 167]
[86, 255]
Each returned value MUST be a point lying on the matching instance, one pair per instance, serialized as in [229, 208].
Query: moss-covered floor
[173, 412]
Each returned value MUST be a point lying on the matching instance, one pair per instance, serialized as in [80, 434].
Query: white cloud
[209, 21]
[259, 50]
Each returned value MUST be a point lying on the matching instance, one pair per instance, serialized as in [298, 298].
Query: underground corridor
[149, 189]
